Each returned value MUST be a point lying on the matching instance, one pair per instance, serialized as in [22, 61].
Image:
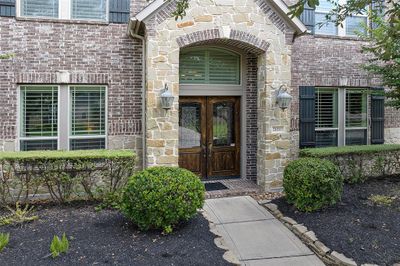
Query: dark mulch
[107, 238]
[356, 227]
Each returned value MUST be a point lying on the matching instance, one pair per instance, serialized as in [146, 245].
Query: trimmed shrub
[64, 175]
[358, 163]
[161, 197]
[312, 184]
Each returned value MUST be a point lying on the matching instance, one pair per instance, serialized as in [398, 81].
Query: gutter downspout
[133, 33]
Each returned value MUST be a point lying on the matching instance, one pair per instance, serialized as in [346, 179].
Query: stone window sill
[336, 37]
[64, 21]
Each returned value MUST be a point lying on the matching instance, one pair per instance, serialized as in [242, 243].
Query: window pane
[210, 66]
[39, 111]
[326, 138]
[87, 144]
[89, 9]
[88, 111]
[326, 110]
[355, 24]
[39, 8]
[327, 28]
[325, 5]
[34, 145]
[223, 124]
[356, 137]
[189, 125]
[356, 108]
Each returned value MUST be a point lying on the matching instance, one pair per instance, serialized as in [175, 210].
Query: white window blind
[355, 24]
[40, 8]
[88, 117]
[326, 117]
[210, 66]
[89, 9]
[39, 117]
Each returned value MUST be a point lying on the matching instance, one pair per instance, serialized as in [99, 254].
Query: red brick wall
[92, 53]
[324, 61]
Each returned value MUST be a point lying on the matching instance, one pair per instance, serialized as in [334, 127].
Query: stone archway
[254, 33]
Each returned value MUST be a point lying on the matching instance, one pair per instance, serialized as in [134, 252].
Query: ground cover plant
[364, 225]
[59, 245]
[106, 238]
[4, 239]
[18, 215]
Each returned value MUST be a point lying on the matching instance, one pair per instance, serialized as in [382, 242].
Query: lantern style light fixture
[283, 98]
[167, 99]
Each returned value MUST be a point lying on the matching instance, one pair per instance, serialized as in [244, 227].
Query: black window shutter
[377, 116]
[119, 11]
[307, 116]
[308, 18]
[7, 8]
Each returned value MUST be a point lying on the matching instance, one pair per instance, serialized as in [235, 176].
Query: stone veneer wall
[92, 54]
[250, 25]
[333, 61]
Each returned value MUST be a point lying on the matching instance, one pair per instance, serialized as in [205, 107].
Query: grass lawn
[106, 238]
[364, 226]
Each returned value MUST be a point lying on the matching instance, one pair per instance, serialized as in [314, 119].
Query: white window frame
[341, 128]
[61, 118]
[340, 30]
[70, 136]
[64, 11]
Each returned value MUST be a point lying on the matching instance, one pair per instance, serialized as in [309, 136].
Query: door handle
[204, 150]
[209, 150]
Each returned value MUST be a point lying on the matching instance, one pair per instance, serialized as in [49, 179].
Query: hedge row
[358, 163]
[64, 175]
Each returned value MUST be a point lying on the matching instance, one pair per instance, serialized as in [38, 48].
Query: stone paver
[255, 236]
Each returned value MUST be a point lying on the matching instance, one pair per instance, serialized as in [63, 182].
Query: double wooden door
[209, 136]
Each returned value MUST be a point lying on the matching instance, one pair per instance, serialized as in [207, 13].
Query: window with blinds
[209, 66]
[88, 117]
[39, 8]
[326, 117]
[356, 117]
[39, 117]
[89, 9]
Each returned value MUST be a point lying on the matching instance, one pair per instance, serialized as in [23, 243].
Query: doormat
[215, 186]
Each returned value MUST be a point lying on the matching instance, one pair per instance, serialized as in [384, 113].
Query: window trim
[60, 117]
[64, 12]
[341, 109]
[20, 120]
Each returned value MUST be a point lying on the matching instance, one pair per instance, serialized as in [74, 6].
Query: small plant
[19, 215]
[312, 184]
[59, 246]
[4, 239]
[381, 200]
[111, 200]
[162, 197]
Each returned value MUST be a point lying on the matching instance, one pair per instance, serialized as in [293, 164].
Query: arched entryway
[218, 111]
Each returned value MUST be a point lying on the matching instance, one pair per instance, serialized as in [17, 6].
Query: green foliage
[358, 163]
[19, 215]
[311, 184]
[381, 200]
[59, 246]
[4, 239]
[111, 200]
[65, 175]
[161, 197]
[360, 149]
[6, 56]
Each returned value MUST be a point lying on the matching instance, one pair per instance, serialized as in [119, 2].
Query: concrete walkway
[255, 236]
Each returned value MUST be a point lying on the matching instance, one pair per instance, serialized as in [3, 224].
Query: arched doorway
[210, 117]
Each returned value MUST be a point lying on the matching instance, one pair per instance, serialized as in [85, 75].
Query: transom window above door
[95, 10]
[209, 66]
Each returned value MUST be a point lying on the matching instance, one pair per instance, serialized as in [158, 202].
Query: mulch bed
[357, 227]
[107, 238]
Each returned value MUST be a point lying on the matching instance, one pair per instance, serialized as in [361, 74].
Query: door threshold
[216, 178]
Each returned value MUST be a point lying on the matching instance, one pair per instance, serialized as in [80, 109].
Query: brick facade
[91, 53]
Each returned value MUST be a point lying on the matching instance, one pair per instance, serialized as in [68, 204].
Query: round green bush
[161, 197]
[312, 184]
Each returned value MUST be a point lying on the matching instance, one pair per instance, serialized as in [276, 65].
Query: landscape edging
[327, 255]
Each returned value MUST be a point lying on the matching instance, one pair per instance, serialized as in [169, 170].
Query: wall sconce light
[167, 99]
[283, 98]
